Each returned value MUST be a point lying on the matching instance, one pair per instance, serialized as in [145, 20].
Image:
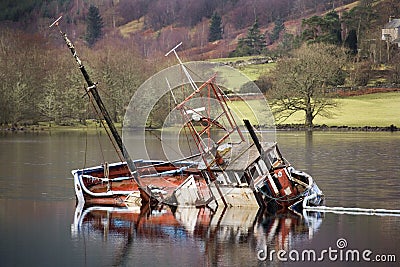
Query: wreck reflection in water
[198, 236]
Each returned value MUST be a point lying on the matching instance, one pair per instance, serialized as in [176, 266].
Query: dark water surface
[40, 226]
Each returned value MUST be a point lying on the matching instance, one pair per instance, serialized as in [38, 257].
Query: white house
[391, 31]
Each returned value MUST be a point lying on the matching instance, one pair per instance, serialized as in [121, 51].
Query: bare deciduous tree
[301, 81]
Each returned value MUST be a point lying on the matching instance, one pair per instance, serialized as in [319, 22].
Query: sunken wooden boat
[233, 168]
[252, 179]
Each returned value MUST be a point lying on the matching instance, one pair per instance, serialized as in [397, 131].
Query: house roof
[395, 23]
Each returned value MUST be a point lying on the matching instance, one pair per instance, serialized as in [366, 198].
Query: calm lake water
[40, 225]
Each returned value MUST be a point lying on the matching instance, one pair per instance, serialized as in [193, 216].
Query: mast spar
[92, 90]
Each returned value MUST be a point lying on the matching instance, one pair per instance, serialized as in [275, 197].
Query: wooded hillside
[40, 82]
[156, 25]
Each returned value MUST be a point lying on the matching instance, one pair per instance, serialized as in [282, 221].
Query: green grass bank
[381, 110]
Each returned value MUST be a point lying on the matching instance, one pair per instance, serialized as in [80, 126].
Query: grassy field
[252, 71]
[382, 109]
[133, 26]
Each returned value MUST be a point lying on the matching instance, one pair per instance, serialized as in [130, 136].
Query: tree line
[41, 82]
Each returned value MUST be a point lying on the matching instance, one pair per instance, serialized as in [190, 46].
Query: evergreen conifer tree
[279, 26]
[253, 43]
[351, 42]
[94, 26]
[215, 28]
[255, 39]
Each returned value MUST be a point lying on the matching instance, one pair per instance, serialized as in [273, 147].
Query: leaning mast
[92, 90]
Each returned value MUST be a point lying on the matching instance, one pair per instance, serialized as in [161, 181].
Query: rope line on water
[354, 211]
[347, 210]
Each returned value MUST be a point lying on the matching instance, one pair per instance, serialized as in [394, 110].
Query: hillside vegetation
[154, 26]
[157, 25]
[40, 82]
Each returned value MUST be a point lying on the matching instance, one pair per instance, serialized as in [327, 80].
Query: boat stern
[78, 186]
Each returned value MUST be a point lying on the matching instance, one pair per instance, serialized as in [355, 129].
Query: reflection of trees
[224, 235]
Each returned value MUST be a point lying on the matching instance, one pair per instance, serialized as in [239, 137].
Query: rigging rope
[166, 144]
[86, 138]
[101, 147]
[119, 153]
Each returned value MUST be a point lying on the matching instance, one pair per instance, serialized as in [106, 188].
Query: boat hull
[92, 188]
[114, 185]
[287, 191]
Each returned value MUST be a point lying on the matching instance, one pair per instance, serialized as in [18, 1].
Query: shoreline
[279, 127]
[343, 128]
